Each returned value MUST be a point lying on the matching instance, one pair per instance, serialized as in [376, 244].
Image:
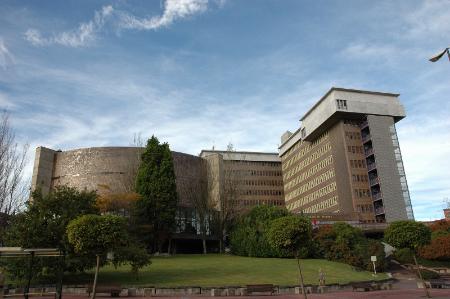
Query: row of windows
[358, 163]
[242, 173]
[256, 202]
[314, 156]
[307, 147]
[260, 192]
[262, 183]
[360, 178]
[256, 163]
[323, 205]
[361, 193]
[315, 195]
[364, 208]
[311, 184]
[353, 135]
[313, 170]
[265, 172]
[355, 149]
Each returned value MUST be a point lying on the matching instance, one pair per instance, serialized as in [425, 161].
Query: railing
[371, 166]
[366, 138]
[363, 125]
[379, 211]
[374, 181]
[369, 152]
[376, 196]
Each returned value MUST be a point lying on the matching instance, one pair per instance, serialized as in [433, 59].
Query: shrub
[290, 233]
[343, 243]
[248, 236]
[404, 256]
[439, 233]
[438, 249]
[407, 234]
[440, 225]
[427, 274]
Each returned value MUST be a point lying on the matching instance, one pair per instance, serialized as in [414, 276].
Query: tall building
[344, 162]
[251, 178]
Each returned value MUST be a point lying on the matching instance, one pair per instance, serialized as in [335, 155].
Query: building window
[341, 104]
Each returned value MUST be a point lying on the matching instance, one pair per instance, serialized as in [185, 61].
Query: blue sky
[200, 73]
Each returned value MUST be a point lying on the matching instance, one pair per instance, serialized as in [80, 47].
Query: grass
[225, 270]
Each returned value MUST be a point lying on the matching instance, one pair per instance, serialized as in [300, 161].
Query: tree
[155, 182]
[93, 235]
[249, 234]
[43, 225]
[228, 205]
[291, 233]
[411, 235]
[13, 190]
[197, 193]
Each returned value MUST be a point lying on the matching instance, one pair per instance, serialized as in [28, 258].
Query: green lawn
[226, 270]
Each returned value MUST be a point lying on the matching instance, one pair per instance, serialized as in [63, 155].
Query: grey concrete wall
[395, 208]
[43, 169]
[108, 169]
[358, 101]
[98, 168]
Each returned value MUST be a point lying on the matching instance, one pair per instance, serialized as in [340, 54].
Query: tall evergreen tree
[155, 182]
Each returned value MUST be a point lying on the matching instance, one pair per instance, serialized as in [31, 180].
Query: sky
[200, 74]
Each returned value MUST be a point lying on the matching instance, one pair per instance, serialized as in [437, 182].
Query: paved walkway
[392, 294]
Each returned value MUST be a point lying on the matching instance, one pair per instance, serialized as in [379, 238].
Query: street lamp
[440, 54]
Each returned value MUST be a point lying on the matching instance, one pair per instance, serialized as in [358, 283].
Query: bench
[41, 294]
[260, 288]
[439, 284]
[365, 286]
[114, 290]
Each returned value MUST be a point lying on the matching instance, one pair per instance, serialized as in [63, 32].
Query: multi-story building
[251, 178]
[246, 178]
[344, 162]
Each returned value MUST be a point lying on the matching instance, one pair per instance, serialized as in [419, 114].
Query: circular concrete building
[107, 169]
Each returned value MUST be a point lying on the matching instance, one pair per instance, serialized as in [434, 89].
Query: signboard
[373, 258]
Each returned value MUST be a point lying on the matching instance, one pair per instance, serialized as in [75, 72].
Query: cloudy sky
[201, 73]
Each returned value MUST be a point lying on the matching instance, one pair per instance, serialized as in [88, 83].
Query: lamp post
[440, 54]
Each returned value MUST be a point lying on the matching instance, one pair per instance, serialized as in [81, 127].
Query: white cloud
[82, 36]
[6, 58]
[431, 19]
[87, 32]
[173, 10]
[5, 103]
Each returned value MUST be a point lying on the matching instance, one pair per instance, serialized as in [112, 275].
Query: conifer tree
[155, 182]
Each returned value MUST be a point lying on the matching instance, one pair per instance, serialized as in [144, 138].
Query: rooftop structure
[345, 158]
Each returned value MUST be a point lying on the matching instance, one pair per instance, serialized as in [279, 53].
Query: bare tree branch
[229, 204]
[13, 190]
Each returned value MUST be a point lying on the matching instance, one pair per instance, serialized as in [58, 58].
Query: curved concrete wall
[108, 169]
